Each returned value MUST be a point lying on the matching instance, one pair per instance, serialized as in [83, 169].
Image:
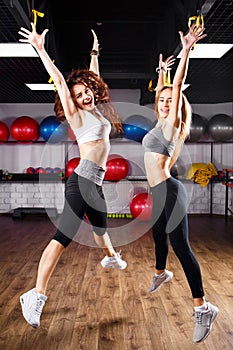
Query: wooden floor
[91, 308]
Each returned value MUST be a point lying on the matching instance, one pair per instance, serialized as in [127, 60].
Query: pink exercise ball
[141, 206]
[25, 129]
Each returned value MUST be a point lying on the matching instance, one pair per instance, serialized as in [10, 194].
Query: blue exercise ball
[136, 126]
[220, 127]
[52, 130]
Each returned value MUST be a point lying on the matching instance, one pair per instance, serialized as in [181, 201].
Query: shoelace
[155, 279]
[159, 276]
[38, 307]
[198, 317]
[118, 254]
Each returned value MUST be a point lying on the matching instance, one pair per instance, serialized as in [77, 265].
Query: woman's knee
[99, 231]
[62, 239]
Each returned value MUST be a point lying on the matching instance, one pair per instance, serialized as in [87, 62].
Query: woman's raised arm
[94, 64]
[164, 65]
[194, 35]
[37, 41]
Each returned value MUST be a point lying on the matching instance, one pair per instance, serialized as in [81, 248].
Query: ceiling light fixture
[17, 50]
[50, 87]
[40, 86]
[209, 50]
[185, 86]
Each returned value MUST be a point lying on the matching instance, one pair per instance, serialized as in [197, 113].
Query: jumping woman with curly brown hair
[83, 101]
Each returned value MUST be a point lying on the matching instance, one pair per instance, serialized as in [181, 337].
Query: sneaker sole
[24, 314]
[211, 325]
[114, 267]
[166, 280]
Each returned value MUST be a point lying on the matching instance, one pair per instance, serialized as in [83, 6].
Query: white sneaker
[32, 304]
[203, 322]
[113, 262]
[159, 280]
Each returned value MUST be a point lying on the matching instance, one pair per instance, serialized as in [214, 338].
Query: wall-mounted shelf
[50, 178]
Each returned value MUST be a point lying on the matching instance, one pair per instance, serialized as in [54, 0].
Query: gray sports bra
[154, 141]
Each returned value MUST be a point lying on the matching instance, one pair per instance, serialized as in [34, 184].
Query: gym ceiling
[131, 38]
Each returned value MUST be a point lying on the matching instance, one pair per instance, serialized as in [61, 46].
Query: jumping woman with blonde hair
[162, 146]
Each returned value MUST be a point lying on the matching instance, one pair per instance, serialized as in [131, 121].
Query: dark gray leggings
[170, 220]
[82, 196]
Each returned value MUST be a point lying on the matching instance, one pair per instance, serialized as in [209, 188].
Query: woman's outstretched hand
[194, 35]
[169, 61]
[95, 42]
[33, 38]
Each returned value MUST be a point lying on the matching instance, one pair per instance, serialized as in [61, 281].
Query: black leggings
[170, 219]
[82, 196]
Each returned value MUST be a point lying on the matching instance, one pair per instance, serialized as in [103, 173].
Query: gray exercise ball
[198, 128]
[177, 169]
[220, 127]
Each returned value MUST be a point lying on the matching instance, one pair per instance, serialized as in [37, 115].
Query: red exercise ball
[40, 170]
[71, 165]
[71, 134]
[31, 170]
[4, 132]
[25, 129]
[141, 206]
[117, 168]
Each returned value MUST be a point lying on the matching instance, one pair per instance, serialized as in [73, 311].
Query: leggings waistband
[90, 171]
[168, 182]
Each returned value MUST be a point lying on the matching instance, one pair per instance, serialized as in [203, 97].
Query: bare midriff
[157, 167]
[95, 151]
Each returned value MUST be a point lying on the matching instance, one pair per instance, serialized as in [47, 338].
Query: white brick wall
[118, 196]
[14, 195]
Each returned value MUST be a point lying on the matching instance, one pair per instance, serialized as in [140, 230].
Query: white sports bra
[93, 128]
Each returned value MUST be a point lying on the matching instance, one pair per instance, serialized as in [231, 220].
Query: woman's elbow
[177, 84]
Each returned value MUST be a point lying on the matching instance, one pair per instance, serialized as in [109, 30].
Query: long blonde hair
[186, 120]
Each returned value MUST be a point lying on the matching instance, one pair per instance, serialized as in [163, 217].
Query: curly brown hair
[101, 95]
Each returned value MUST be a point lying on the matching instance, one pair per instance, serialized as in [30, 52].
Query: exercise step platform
[19, 213]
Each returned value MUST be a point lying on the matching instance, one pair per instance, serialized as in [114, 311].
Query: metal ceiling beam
[202, 7]
[207, 6]
[17, 11]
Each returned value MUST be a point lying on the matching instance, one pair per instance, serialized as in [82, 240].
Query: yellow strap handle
[166, 80]
[167, 77]
[37, 13]
[193, 18]
[41, 14]
[199, 21]
[150, 86]
[51, 80]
